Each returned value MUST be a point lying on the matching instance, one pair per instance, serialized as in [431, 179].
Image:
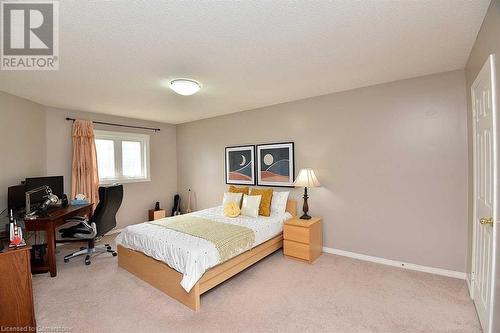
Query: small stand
[157, 214]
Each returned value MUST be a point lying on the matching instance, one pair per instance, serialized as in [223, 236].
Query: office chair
[102, 221]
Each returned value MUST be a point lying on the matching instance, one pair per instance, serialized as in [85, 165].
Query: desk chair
[102, 221]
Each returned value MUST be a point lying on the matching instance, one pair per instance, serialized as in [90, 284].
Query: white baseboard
[389, 262]
[114, 231]
[469, 285]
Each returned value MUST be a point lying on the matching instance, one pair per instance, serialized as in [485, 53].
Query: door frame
[489, 63]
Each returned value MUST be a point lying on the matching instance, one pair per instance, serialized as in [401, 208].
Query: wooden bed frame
[160, 275]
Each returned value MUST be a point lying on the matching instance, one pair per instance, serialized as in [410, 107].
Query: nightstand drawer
[297, 234]
[296, 250]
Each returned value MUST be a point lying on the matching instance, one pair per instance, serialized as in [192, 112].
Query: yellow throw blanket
[229, 239]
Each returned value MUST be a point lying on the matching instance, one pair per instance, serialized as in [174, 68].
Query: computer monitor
[16, 197]
[56, 184]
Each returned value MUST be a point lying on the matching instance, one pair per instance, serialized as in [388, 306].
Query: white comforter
[190, 255]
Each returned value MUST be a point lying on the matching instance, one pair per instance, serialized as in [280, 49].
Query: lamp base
[305, 208]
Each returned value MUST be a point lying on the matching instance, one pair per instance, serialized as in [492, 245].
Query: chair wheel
[115, 254]
[87, 262]
[107, 245]
[66, 260]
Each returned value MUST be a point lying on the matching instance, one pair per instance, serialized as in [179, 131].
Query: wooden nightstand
[157, 214]
[303, 239]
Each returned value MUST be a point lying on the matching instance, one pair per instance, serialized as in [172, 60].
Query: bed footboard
[168, 280]
[159, 275]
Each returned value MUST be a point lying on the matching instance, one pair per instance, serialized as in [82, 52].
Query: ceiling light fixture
[185, 87]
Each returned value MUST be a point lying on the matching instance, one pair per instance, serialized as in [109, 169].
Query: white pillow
[231, 197]
[251, 205]
[278, 203]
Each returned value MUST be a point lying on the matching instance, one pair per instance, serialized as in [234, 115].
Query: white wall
[391, 158]
[36, 141]
[22, 142]
[138, 197]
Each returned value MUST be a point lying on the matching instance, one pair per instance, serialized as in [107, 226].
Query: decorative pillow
[265, 202]
[232, 209]
[278, 204]
[232, 197]
[251, 205]
[234, 189]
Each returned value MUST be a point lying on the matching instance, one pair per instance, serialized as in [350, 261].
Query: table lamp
[306, 178]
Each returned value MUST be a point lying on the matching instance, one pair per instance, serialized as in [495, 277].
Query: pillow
[232, 197]
[234, 189]
[232, 209]
[278, 203]
[265, 202]
[250, 206]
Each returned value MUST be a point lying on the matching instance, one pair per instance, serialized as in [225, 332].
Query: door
[485, 191]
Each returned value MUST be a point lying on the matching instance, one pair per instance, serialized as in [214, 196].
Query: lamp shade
[185, 87]
[306, 178]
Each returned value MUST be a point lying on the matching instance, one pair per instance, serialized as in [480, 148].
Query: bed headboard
[291, 207]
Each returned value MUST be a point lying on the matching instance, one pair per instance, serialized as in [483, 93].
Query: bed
[183, 266]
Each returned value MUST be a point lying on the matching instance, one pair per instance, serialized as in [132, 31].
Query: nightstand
[303, 239]
[157, 214]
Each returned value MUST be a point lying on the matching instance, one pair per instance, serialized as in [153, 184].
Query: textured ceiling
[116, 56]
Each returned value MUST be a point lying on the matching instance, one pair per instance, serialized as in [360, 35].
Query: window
[122, 157]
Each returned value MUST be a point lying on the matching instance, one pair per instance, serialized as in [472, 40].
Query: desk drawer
[296, 250]
[297, 234]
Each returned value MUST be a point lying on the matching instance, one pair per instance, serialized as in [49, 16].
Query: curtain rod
[120, 125]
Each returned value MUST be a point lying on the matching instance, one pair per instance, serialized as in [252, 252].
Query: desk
[49, 224]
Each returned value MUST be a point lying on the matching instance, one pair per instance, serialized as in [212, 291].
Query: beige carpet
[335, 294]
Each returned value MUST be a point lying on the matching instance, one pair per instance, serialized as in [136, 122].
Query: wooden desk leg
[51, 245]
[89, 212]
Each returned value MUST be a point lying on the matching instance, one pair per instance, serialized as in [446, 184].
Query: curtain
[84, 177]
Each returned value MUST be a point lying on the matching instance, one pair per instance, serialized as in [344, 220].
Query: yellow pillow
[234, 189]
[232, 209]
[265, 202]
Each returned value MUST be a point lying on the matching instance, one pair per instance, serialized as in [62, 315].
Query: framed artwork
[275, 164]
[240, 165]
